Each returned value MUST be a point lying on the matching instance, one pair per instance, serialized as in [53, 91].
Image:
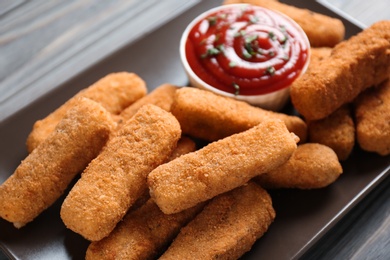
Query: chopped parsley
[212, 20]
[271, 35]
[240, 33]
[210, 52]
[250, 38]
[232, 64]
[270, 70]
[250, 46]
[247, 54]
[213, 51]
[236, 88]
[253, 19]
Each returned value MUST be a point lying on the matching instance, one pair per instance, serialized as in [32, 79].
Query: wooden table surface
[44, 43]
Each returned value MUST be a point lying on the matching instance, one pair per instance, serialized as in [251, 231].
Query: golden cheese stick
[184, 145]
[220, 166]
[145, 231]
[227, 227]
[44, 174]
[318, 55]
[312, 166]
[336, 131]
[117, 177]
[205, 115]
[372, 113]
[322, 30]
[162, 97]
[114, 92]
[354, 65]
[143, 234]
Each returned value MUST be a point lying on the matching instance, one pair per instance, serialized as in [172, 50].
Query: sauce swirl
[246, 50]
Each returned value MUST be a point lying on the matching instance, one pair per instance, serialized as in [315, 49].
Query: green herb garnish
[232, 64]
[250, 46]
[210, 52]
[250, 38]
[246, 53]
[223, 16]
[221, 48]
[253, 19]
[213, 51]
[240, 33]
[270, 70]
[236, 88]
[212, 20]
[271, 35]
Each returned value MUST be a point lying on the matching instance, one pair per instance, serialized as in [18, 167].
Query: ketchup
[247, 50]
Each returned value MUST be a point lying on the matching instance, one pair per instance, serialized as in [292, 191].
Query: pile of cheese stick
[182, 173]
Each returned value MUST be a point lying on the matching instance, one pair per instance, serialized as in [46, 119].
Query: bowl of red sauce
[246, 52]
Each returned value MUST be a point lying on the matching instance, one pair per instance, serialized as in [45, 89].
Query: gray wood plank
[38, 41]
[366, 12]
[364, 233]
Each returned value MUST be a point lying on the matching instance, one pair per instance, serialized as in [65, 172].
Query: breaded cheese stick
[318, 55]
[44, 174]
[143, 234]
[114, 92]
[336, 131]
[162, 97]
[220, 166]
[227, 227]
[312, 166]
[145, 231]
[205, 115]
[115, 179]
[354, 65]
[322, 30]
[372, 113]
[184, 145]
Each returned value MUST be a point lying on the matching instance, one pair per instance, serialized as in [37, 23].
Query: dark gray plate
[302, 216]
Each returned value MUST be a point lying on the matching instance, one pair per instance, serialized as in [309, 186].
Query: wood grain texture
[364, 233]
[366, 12]
[45, 43]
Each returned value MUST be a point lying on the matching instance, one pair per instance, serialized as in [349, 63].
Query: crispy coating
[44, 174]
[220, 166]
[227, 227]
[143, 234]
[322, 30]
[354, 65]
[117, 177]
[336, 131]
[372, 113]
[312, 166]
[318, 55]
[162, 97]
[184, 145]
[114, 92]
[205, 115]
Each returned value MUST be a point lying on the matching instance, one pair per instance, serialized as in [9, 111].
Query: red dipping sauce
[246, 50]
